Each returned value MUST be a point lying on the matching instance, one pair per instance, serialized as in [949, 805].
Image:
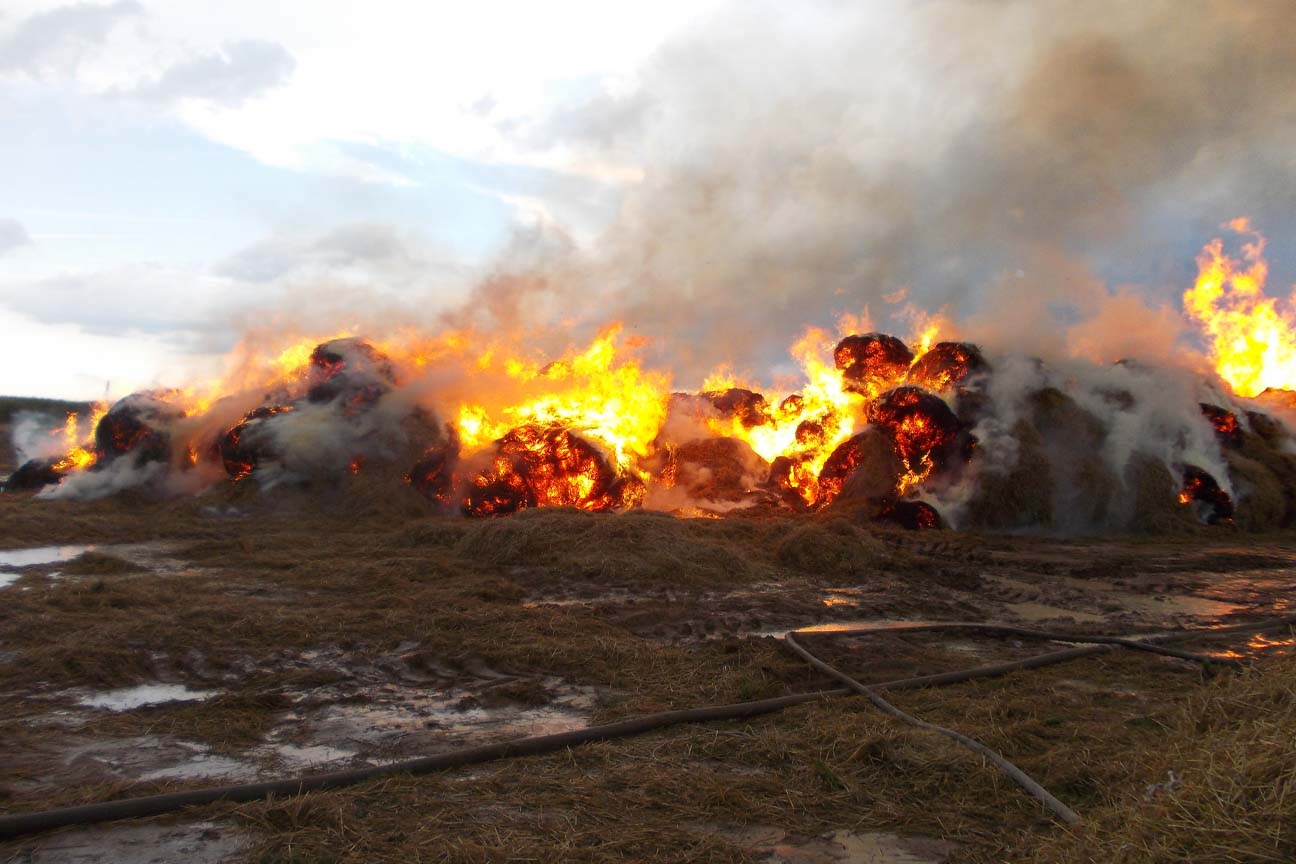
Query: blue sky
[168, 167]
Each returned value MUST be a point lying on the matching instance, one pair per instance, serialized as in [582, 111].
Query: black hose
[16, 825]
[1098, 643]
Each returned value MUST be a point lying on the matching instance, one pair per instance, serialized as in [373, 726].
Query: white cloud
[237, 72]
[12, 235]
[57, 41]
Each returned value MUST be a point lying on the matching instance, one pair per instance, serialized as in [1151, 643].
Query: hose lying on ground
[16, 825]
[1021, 778]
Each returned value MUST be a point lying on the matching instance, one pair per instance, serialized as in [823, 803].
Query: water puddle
[840, 626]
[393, 716]
[1043, 612]
[7, 579]
[41, 555]
[193, 843]
[130, 698]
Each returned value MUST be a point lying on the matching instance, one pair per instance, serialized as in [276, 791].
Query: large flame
[1252, 339]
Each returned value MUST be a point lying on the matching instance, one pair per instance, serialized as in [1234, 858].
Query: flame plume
[1251, 338]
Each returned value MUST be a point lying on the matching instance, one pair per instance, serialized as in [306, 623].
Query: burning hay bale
[1152, 504]
[241, 449]
[433, 474]
[713, 469]
[861, 468]
[926, 434]
[748, 407]
[1202, 491]
[1227, 428]
[872, 362]
[137, 426]
[536, 466]
[911, 515]
[350, 370]
[947, 365]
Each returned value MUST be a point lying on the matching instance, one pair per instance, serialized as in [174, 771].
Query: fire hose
[20, 824]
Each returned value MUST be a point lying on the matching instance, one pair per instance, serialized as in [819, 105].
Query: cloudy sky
[178, 173]
[168, 167]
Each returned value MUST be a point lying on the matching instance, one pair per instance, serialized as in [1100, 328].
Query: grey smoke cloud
[796, 166]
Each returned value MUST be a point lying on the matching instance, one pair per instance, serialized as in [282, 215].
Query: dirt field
[159, 646]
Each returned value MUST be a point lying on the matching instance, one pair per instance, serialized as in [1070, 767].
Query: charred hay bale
[1021, 496]
[1202, 493]
[243, 447]
[1261, 502]
[911, 515]
[433, 474]
[1228, 431]
[872, 362]
[861, 468]
[137, 425]
[1152, 498]
[717, 469]
[34, 474]
[350, 371]
[749, 407]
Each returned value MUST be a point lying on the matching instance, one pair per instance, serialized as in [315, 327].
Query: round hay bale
[1019, 498]
[1260, 504]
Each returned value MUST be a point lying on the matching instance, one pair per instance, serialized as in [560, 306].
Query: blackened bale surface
[34, 474]
[136, 425]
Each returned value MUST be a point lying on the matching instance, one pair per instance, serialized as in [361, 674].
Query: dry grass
[268, 585]
[1232, 748]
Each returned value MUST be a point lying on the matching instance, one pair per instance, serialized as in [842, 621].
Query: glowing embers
[1227, 429]
[1202, 492]
[926, 433]
[539, 466]
[433, 475]
[913, 515]
[240, 449]
[946, 365]
[872, 362]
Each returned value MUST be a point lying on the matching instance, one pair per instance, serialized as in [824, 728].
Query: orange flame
[1252, 340]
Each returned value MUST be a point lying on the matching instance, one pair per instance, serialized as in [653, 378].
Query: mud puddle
[150, 843]
[391, 719]
[130, 698]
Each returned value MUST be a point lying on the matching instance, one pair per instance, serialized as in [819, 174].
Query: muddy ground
[150, 646]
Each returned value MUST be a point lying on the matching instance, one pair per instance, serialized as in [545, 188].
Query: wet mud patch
[143, 843]
[771, 845]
